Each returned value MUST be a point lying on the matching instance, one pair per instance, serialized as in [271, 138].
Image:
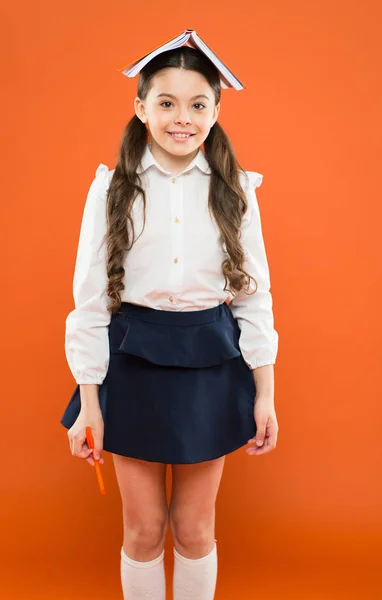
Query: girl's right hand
[89, 417]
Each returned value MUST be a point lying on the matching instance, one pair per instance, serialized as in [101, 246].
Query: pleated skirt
[177, 389]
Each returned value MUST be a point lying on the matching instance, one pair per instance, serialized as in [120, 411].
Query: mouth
[180, 137]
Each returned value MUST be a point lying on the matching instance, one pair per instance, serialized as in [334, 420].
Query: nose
[183, 118]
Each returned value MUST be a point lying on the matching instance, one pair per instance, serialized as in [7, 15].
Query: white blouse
[175, 264]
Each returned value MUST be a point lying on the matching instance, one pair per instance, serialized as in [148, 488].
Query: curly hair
[227, 202]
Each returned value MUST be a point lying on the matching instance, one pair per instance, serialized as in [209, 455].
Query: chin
[181, 148]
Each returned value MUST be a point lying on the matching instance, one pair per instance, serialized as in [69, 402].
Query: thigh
[194, 489]
[142, 485]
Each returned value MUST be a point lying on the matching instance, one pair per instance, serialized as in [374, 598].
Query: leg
[142, 485]
[192, 519]
[192, 507]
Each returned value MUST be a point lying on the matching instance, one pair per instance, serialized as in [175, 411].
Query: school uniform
[175, 366]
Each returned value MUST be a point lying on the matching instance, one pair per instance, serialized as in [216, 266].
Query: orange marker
[90, 442]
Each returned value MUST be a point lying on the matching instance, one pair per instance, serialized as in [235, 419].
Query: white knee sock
[195, 578]
[143, 580]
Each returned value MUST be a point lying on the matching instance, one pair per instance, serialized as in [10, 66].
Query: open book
[190, 38]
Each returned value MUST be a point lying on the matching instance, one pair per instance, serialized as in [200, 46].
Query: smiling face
[179, 101]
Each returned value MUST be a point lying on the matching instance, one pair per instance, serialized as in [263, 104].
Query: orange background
[304, 521]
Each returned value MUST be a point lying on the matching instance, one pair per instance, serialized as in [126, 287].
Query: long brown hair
[227, 201]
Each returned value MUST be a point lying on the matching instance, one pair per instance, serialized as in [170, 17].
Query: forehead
[180, 83]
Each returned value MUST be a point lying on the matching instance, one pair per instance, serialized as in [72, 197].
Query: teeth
[181, 135]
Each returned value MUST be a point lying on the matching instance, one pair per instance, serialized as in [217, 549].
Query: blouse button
[173, 179]
[176, 220]
[175, 260]
[171, 299]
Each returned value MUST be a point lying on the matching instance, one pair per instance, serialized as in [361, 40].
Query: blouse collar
[148, 159]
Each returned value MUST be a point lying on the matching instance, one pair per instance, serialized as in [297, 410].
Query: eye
[196, 104]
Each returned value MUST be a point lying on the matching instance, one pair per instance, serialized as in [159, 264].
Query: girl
[172, 335]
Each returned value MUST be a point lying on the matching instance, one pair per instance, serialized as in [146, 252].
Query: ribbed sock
[143, 580]
[195, 578]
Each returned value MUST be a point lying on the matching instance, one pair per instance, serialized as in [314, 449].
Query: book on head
[190, 38]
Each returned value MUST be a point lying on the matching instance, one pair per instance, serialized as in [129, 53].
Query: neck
[170, 162]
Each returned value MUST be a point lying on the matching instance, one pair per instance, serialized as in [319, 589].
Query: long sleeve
[258, 338]
[86, 335]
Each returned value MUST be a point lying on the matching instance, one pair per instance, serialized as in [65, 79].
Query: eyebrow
[193, 97]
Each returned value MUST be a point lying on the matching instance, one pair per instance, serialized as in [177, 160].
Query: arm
[264, 381]
[86, 335]
[258, 338]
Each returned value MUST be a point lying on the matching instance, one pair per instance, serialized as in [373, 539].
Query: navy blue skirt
[177, 389]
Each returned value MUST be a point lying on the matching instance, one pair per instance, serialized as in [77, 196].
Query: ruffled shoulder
[102, 169]
[255, 178]
[251, 179]
[102, 176]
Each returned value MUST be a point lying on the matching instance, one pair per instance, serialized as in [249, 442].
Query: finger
[260, 434]
[255, 446]
[84, 453]
[97, 452]
[77, 444]
[90, 461]
[264, 450]
[267, 447]
[273, 439]
[257, 451]
[98, 455]
[272, 435]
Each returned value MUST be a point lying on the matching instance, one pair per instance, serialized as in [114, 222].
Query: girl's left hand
[266, 426]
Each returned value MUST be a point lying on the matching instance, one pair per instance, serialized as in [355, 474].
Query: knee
[193, 533]
[145, 536]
